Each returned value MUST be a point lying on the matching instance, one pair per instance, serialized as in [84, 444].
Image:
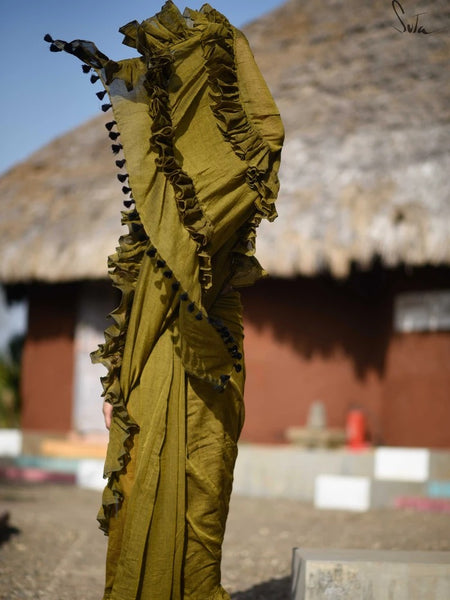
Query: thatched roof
[365, 164]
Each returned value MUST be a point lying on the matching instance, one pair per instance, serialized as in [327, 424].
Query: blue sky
[43, 94]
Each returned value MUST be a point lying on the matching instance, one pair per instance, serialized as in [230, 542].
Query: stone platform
[370, 575]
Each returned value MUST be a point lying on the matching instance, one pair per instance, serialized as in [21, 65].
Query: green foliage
[10, 384]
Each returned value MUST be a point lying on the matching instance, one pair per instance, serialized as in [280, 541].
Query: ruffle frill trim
[124, 267]
[218, 41]
[151, 42]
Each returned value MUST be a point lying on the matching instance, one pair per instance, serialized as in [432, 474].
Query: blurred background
[348, 341]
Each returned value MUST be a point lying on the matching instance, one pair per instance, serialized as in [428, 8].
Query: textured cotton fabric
[201, 137]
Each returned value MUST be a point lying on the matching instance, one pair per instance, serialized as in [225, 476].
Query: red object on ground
[356, 429]
[437, 505]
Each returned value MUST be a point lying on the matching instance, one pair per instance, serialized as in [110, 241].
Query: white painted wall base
[402, 464]
[342, 493]
[90, 474]
[10, 442]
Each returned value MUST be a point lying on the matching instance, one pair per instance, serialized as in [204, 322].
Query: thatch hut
[357, 310]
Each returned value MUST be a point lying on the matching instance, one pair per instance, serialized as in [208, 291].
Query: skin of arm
[107, 414]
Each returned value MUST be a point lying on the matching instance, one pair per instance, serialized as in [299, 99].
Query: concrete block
[290, 472]
[342, 493]
[90, 474]
[370, 575]
[386, 493]
[440, 464]
[402, 464]
[10, 442]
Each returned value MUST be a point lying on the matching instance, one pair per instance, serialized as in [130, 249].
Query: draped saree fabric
[201, 140]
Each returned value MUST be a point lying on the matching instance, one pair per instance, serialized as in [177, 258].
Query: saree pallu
[201, 139]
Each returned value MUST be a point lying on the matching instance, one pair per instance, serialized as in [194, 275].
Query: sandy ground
[51, 548]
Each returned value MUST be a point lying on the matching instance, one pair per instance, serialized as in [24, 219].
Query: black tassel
[116, 148]
[126, 190]
[106, 107]
[128, 203]
[113, 135]
[85, 68]
[122, 177]
[120, 163]
[110, 125]
[94, 78]
[48, 38]
[101, 95]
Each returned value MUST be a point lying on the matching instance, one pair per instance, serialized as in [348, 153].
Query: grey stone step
[370, 575]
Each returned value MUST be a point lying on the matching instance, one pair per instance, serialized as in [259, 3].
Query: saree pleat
[202, 138]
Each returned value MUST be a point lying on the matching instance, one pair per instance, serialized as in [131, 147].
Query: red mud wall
[416, 391]
[48, 359]
[318, 339]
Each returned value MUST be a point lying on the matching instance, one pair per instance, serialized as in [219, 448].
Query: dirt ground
[51, 548]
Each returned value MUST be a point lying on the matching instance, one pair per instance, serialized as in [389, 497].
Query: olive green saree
[201, 137]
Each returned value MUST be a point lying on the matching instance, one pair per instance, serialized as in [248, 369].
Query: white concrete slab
[10, 442]
[402, 464]
[342, 493]
[90, 474]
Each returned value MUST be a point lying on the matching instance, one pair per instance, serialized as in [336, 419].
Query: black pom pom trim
[54, 48]
[106, 107]
[184, 296]
[175, 286]
[160, 263]
[238, 368]
[101, 95]
[224, 378]
[120, 163]
[85, 68]
[128, 203]
[126, 190]
[122, 177]
[199, 316]
[48, 38]
[110, 125]
[116, 148]
[151, 252]
[191, 307]
[93, 78]
[168, 274]
[113, 135]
